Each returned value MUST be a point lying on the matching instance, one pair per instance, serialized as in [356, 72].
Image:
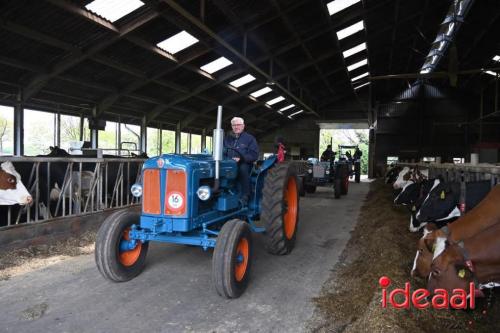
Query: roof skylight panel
[354, 50]
[287, 107]
[339, 5]
[242, 81]
[275, 100]
[357, 65]
[361, 86]
[177, 42]
[216, 65]
[350, 30]
[491, 73]
[294, 114]
[113, 10]
[496, 58]
[261, 92]
[360, 76]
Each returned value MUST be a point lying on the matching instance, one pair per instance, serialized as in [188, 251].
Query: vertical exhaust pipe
[218, 137]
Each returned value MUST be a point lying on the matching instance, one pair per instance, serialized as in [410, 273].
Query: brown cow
[484, 215]
[12, 190]
[476, 259]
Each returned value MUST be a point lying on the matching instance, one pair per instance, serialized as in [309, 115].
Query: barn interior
[421, 76]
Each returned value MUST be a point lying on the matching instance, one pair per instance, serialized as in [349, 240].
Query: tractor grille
[175, 196]
[318, 171]
[151, 192]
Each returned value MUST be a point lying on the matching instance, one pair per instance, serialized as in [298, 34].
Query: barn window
[167, 142]
[195, 144]
[70, 131]
[108, 137]
[39, 132]
[130, 138]
[6, 130]
[153, 141]
[209, 143]
[184, 143]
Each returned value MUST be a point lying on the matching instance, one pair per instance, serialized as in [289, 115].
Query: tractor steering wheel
[233, 149]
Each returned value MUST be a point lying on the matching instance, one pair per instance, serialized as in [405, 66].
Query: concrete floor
[175, 294]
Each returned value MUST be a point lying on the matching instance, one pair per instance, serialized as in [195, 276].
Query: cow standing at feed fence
[475, 259]
[412, 196]
[12, 191]
[482, 216]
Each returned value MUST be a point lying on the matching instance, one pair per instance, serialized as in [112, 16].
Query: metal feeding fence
[62, 186]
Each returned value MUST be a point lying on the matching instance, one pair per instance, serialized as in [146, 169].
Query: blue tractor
[195, 200]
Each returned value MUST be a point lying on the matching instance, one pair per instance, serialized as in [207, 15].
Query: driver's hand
[237, 159]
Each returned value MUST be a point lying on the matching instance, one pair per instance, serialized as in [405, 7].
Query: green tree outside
[347, 137]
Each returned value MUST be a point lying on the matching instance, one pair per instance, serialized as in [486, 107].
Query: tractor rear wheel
[301, 186]
[280, 208]
[336, 187]
[117, 257]
[310, 188]
[344, 175]
[232, 259]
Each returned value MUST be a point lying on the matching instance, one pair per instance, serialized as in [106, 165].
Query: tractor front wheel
[280, 208]
[232, 259]
[119, 258]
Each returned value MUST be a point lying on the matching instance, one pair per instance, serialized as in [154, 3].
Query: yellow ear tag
[461, 273]
[442, 196]
[433, 247]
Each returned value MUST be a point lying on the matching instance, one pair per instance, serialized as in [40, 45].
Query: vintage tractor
[353, 160]
[195, 200]
[326, 173]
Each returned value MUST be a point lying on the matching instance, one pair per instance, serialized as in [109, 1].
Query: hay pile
[24, 260]
[382, 245]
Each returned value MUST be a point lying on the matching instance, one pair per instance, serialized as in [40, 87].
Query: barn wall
[426, 121]
[303, 134]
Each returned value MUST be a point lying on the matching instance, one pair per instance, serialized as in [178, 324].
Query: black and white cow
[443, 200]
[412, 196]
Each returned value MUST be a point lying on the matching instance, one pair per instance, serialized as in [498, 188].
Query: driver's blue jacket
[245, 144]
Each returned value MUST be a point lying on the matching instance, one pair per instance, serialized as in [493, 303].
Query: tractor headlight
[204, 193]
[136, 190]
[310, 170]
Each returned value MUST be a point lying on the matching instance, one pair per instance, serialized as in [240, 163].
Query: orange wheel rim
[291, 198]
[241, 259]
[128, 258]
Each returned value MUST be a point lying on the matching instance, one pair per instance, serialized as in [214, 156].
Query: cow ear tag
[413, 208]
[443, 195]
[433, 247]
[461, 273]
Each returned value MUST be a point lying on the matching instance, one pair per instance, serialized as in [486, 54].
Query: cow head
[403, 177]
[409, 194]
[12, 190]
[440, 203]
[449, 271]
[425, 250]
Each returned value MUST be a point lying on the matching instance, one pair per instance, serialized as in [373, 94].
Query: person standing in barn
[243, 148]
[328, 154]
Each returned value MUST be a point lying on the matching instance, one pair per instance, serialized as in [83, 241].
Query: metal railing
[460, 172]
[87, 185]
